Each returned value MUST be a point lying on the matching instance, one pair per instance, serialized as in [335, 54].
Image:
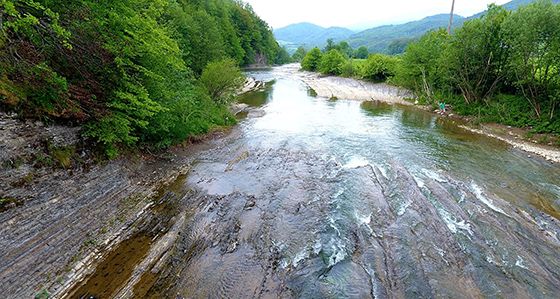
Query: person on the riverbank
[442, 107]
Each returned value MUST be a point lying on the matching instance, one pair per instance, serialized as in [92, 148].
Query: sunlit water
[316, 198]
[357, 134]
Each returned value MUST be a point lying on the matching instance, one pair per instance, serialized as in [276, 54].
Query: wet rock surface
[317, 229]
[363, 201]
[58, 224]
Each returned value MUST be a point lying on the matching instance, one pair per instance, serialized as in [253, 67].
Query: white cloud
[359, 13]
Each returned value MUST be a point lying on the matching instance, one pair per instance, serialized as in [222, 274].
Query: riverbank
[353, 89]
[62, 211]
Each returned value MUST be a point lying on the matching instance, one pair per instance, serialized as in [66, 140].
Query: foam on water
[519, 263]
[434, 175]
[480, 195]
[356, 162]
[453, 224]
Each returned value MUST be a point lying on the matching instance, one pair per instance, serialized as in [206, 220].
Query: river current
[312, 197]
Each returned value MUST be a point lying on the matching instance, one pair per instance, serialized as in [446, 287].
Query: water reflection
[257, 98]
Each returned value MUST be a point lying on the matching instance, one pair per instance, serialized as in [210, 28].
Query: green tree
[331, 45]
[398, 46]
[221, 79]
[533, 35]
[312, 60]
[332, 63]
[299, 54]
[379, 67]
[361, 53]
[282, 57]
[421, 68]
[345, 49]
[128, 71]
[476, 57]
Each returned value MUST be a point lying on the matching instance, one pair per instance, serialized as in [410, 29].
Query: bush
[312, 60]
[348, 69]
[332, 63]
[222, 79]
[188, 115]
[379, 67]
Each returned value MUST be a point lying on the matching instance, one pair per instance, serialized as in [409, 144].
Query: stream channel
[310, 197]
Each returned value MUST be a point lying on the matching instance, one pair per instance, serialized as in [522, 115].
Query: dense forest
[503, 67]
[131, 72]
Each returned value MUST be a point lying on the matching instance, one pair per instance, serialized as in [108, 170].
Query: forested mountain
[388, 39]
[379, 39]
[127, 70]
[310, 35]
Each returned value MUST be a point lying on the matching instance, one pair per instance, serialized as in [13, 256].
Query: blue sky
[359, 14]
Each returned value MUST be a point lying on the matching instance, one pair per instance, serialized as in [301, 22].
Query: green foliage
[283, 57]
[475, 58]
[332, 63]
[221, 79]
[342, 47]
[421, 68]
[129, 71]
[348, 69]
[533, 35]
[378, 67]
[311, 60]
[43, 294]
[361, 53]
[299, 54]
[398, 46]
[62, 155]
[503, 67]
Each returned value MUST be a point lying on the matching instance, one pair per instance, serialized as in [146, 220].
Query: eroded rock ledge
[60, 219]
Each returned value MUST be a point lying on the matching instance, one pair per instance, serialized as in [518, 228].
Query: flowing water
[314, 198]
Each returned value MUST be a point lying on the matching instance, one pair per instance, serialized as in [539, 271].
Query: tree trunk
[451, 17]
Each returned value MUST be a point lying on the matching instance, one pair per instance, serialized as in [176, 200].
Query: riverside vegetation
[503, 67]
[132, 73]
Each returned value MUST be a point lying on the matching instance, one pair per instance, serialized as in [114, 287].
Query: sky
[359, 14]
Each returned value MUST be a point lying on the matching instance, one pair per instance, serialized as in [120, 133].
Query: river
[311, 197]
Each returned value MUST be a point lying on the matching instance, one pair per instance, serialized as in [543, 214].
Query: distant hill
[512, 5]
[310, 35]
[378, 39]
[382, 39]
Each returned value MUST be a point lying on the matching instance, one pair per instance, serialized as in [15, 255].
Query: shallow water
[314, 198]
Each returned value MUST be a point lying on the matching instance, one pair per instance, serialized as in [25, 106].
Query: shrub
[221, 79]
[332, 63]
[312, 60]
[379, 67]
[348, 69]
